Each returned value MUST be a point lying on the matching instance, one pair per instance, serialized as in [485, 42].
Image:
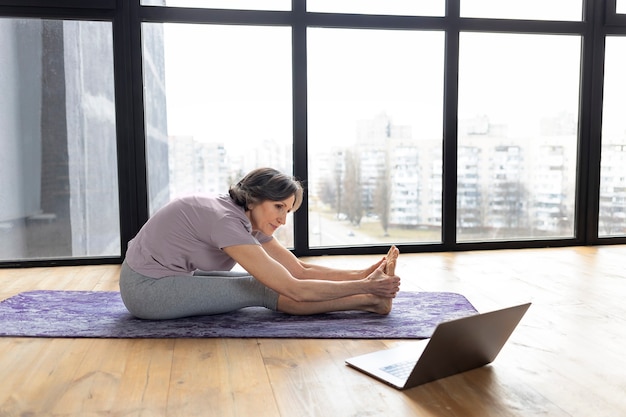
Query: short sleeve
[232, 230]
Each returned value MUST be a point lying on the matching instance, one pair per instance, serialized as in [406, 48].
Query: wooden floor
[565, 359]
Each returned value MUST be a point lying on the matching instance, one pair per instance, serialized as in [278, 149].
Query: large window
[518, 121]
[433, 125]
[612, 214]
[375, 136]
[218, 104]
[58, 175]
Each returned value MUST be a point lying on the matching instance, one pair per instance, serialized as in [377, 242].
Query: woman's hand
[383, 285]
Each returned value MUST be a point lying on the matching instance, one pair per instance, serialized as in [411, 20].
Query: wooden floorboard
[565, 359]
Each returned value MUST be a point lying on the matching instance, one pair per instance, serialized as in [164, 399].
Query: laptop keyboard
[401, 369]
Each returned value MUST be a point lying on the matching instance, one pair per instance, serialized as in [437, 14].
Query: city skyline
[514, 81]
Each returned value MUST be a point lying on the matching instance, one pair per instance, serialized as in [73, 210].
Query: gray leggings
[203, 293]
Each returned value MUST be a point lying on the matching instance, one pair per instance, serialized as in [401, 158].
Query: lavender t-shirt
[188, 234]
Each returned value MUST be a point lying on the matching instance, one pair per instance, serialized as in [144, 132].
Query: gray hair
[264, 184]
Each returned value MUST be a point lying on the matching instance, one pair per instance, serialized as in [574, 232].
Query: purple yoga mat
[101, 314]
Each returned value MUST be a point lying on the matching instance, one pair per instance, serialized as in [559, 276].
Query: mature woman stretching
[179, 263]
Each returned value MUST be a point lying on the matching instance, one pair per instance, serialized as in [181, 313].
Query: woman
[179, 263]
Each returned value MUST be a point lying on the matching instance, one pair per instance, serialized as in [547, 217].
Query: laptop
[455, 346]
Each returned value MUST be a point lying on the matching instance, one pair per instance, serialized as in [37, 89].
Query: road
[328, 232]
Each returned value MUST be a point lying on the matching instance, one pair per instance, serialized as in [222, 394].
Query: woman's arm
[304, 270]
[270, 272]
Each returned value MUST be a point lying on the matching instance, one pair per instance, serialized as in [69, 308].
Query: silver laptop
[455, 346]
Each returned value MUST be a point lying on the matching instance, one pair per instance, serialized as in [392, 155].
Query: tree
[352, 188]
[382, 195]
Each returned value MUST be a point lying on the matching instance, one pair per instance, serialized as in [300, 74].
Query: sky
[228, 91]
[232, 84]
[241, 88]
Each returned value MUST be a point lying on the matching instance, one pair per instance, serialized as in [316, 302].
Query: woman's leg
[220, 292]
[184, 296]
[363, 302]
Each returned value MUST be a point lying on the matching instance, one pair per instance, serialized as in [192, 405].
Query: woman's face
[270, 215]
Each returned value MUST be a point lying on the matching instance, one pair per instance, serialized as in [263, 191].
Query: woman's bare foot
[379, 305]
[392, 258]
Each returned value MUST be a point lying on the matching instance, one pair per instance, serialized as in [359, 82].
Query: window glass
[517, 147]
[620, 6]
[218, 104]
[375, 101]
[223, 4]
[612, 220]
[523, 9]
[58, 166]
[386, 7]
